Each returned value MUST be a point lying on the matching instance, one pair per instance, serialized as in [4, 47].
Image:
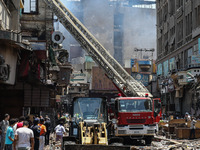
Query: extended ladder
[126, 83]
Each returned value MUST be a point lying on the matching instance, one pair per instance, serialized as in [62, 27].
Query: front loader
[89, 125]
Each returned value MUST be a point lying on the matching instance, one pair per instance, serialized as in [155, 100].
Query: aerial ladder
[125, 83]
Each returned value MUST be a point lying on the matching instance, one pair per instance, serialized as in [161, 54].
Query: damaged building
[178, 66]
[33, 67]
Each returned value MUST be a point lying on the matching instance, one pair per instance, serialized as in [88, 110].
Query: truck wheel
[148, 140]
[116, 140]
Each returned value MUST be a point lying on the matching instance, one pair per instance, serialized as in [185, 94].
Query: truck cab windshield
[135, 105]
[90, 109]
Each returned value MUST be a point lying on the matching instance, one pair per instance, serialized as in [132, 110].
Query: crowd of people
[24, 134]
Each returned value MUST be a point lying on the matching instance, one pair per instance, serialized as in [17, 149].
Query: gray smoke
[139, 25]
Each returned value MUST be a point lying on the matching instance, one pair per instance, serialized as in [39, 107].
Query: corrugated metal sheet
[100, 81]
[36, 97]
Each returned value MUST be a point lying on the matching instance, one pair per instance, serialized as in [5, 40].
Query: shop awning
[13, 39]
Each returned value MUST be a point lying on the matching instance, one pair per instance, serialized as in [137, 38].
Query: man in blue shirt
[10, 135]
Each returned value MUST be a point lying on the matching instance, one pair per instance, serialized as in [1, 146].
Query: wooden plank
[184, 133]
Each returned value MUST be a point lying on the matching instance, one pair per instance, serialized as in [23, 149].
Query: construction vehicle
[89, 120]
[124, 82]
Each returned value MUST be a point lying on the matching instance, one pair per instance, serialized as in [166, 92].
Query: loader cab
[88, 110]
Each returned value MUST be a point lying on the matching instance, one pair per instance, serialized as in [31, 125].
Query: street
[99, 74]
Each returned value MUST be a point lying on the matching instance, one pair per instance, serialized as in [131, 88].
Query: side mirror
[157, 109]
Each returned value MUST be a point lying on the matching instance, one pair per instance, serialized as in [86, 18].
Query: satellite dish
[57, 37]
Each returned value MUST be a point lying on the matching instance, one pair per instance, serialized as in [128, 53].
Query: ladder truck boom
[125, 83]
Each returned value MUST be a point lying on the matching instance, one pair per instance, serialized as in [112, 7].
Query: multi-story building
[178, 53]
[31, 74]
[11, 47]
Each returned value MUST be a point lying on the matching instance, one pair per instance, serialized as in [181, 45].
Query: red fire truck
[136, 118]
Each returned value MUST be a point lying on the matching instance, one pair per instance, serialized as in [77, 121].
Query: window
[179, 3]
[196, 17]
[30, 6]
[179, 33]
[171, 7]
[188, 24]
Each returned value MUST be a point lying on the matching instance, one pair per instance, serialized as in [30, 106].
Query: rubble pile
[178, 145]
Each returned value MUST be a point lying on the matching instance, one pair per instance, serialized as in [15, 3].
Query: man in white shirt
[59, 130]
[24, 137]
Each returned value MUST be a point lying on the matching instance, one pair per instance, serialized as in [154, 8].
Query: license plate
[136, 132]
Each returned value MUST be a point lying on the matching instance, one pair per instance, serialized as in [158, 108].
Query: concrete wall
[38, 26]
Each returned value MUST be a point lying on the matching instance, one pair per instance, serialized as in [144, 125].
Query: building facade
[11, 46]
[33, 68]
[178, 53]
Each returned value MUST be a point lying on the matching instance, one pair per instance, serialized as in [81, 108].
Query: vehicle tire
[116, 140]
[148, 140]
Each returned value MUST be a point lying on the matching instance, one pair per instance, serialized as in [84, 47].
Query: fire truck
[127, 123]
[136, 118]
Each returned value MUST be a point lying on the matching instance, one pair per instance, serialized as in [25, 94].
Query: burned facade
[11, 45]
[178, 54]
[34, 69]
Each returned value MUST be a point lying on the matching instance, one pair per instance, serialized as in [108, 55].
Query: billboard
[143, 78]
[159, 69]
[166, 68]
[172, 63]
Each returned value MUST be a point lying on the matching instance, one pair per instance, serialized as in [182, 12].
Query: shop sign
[195, 59]
[78, 77]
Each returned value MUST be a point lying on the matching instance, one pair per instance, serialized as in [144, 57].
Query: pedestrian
[187, 117]
[48, 127]
[15, 126]
[36, 131]
[59, 130]
[10, 136]
[192, 127]
[42, 134]
[3, 127]
[20, 123]
[27, 118]
[24, 138]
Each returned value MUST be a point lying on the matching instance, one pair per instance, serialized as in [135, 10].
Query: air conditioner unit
[57, 37]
